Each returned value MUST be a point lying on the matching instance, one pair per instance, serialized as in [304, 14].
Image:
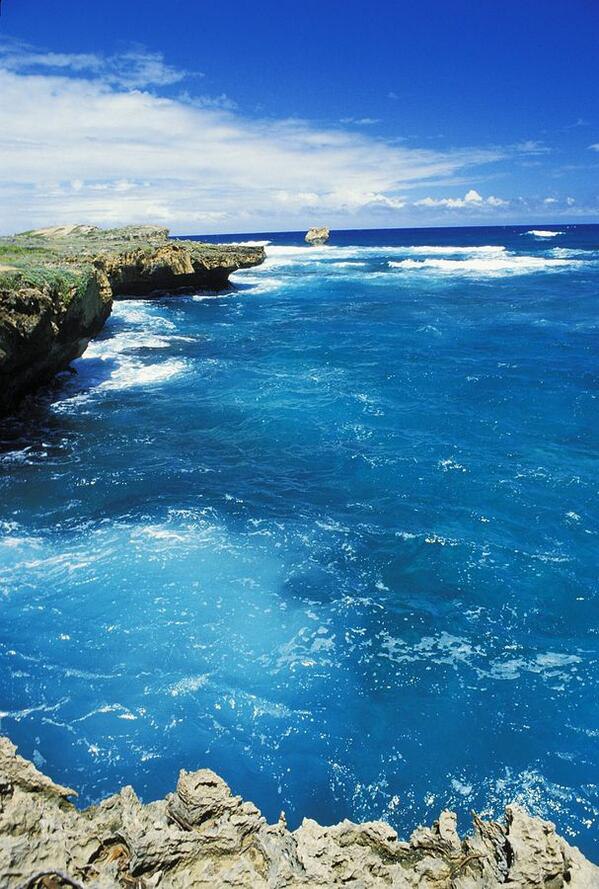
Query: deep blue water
[333, 535]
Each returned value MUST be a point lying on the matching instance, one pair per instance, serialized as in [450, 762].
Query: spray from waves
[492, 266]
[542, 233]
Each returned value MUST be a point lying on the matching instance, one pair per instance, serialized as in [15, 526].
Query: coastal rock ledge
[203, 836]
[57, 287]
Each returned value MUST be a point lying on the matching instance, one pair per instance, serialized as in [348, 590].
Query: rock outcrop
[57, 286]
[202, 836]
[318, 235]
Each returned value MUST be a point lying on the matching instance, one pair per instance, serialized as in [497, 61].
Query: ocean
[333, 535]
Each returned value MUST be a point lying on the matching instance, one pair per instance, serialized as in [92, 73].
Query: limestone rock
[203, 836]
[318, 235]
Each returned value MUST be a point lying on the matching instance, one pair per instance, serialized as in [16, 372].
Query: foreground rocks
[203, 836]
[57, 286]
[318, 235]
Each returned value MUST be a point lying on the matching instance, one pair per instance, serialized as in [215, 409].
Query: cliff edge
[57, 286]
[203, 836]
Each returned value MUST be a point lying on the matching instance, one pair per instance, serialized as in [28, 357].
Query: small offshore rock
[318, 235]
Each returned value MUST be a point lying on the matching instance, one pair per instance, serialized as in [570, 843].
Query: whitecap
[259, 283]
[491, 267]
[570, 253]
[542, 233]
[249, 243]
[131, 374]
[485, 250]
[352, 254]
[348, 264]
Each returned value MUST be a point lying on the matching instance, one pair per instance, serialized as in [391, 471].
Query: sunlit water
[333, 535]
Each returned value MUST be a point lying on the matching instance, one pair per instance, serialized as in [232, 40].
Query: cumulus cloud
[471, 200]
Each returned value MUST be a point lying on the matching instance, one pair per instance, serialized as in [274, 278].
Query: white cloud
[134, 68]
[361, 121]
[532, 146]
[345, 200]
[594, 146]
[550, 201]
[471, 200]
[93, 148]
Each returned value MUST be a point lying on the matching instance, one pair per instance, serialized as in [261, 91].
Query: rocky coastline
[57, 286]
[203, 836]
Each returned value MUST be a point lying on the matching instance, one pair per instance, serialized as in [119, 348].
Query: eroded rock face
[57, 286]
[45, 327]
[204, 836]
[174, 267]
[318, 235]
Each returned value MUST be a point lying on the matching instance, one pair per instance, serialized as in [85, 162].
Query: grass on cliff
[63, 284]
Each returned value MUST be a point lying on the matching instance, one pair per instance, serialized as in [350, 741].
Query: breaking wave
[490, 266]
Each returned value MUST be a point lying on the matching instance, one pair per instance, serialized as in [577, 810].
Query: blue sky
[276, 115]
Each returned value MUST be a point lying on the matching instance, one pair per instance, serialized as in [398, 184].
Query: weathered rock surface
[57, 286]
[203, 836]
[318, 235]
[44, 326]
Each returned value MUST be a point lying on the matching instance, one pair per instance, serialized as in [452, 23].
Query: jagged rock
[318, 235]
[58, 284]
[203, 836]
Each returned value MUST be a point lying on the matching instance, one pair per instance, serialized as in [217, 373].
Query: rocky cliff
[57, 286]
[203, 836]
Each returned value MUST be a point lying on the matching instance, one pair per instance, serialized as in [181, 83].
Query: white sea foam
[142, 313]
[131, 341]
[259, 283]
[348, 264]
[340, 257]
[250, 243]
[134, 373]
[569, 253]
[489, 266]
[542, 233]
[426, 250]
[188, 685]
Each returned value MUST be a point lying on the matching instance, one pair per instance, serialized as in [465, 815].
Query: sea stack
[318, 235]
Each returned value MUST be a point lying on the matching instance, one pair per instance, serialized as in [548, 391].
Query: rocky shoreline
[57, 287]
[203, 836]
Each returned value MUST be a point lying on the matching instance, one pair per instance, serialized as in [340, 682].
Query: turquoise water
[333, 535]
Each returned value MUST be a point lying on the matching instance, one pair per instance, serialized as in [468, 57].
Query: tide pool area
[333, 534]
